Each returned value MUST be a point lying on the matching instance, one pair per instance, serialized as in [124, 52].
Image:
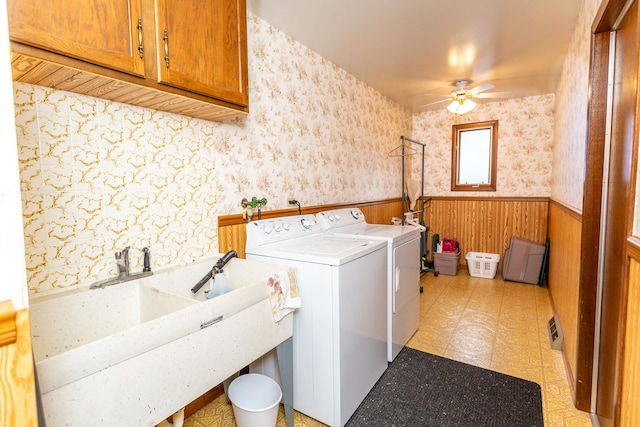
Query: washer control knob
[277, 228]
[305, 224]
[355, 214]
[337, 217]
[286, 226]
[332, 218]
[267, 229]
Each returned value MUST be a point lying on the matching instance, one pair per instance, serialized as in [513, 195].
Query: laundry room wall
[567, 184]
[525, 137]
[571, 114]
[97, 176]
[486, 221]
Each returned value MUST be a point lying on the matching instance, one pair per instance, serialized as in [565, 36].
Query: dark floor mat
[421, 389]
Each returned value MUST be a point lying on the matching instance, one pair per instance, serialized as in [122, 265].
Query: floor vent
[555, 333]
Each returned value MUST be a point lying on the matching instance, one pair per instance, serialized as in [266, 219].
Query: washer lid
[323, 248]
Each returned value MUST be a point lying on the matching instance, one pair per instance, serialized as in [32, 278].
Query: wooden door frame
[596, 130]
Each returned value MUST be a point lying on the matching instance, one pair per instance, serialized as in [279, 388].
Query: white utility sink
[67, 320]
[135, 352]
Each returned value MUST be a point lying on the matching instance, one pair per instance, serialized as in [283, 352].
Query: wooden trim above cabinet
[8, 329]
[40, 67]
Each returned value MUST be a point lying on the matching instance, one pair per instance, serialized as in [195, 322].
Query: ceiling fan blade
[435, 102]
[494, 95]
[439, 95]
[476, 90]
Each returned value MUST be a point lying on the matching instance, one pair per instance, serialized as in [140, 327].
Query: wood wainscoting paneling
[232, 234]
[232, 237]
[17, 385]
[486, 224]
[480, 224]
[565, 235]
[630, 395]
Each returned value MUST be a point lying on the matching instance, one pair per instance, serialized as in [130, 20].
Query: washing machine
[402, 271]
[339, 333]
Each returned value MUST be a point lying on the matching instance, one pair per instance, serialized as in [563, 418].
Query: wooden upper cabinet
[103, 32]
[178, 56]
[202, 47]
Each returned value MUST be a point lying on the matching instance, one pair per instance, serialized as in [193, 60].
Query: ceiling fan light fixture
[461, 106]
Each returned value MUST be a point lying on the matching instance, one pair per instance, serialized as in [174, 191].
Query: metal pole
[414, 141]
[402, 192]
[422, 188]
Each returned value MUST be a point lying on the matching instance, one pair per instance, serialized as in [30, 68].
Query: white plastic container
[255, 399]
[482, 264]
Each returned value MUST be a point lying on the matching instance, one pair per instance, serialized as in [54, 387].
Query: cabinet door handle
[139, 27]
[166, 48]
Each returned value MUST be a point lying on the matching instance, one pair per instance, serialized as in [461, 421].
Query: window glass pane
[475, 155]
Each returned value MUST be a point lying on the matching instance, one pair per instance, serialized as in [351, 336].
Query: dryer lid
[320, 248]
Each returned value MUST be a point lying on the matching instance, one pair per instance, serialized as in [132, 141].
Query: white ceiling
[414, 50]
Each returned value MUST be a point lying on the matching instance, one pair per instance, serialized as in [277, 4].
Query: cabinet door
[103, 32]
[202, 47]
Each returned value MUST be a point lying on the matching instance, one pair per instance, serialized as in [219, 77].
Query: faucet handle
[147, 263]
[125, 254]
[125, 261]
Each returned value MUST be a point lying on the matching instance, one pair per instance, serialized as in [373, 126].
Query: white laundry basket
[255, 399]
[482, 264]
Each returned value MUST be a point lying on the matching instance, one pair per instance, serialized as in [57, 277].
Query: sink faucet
[124, 275]
[122, 259]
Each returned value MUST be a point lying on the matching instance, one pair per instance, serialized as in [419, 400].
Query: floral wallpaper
[571, 114]
[97, 176]
[525, 135]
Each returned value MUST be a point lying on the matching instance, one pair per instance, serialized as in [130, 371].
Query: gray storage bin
[446, 262]
[523, 261]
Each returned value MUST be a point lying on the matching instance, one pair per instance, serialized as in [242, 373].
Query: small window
[474, 155]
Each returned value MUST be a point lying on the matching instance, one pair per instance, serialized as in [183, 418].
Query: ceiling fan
[461, 98]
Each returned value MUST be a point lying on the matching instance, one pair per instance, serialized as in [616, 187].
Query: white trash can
[255, 399]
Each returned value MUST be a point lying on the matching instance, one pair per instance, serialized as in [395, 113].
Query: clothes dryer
[402, 270]
[339, 332]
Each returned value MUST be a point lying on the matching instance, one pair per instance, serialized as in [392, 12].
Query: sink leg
[285, 365]
[225, 385]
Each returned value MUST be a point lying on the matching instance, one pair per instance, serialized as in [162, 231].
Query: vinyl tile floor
[489, 323]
